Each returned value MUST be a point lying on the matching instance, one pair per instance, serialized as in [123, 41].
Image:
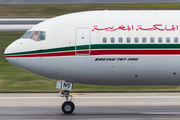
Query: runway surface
[89, 113]
[10, 2]
[19, 24]
[90, 106]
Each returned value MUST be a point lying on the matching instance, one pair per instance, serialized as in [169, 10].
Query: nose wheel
[68, 107]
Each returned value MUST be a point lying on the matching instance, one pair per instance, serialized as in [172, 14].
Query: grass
[37, 11]
[14, 79]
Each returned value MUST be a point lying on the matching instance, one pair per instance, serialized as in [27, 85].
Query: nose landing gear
[68, 106]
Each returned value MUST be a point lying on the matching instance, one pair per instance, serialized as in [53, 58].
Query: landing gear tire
[68, 107]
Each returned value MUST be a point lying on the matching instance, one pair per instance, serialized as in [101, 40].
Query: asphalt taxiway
[106, 106]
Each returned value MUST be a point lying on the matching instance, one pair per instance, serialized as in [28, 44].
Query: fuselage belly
[108, 70]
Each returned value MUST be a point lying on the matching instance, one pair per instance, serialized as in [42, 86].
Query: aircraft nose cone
[9, 51]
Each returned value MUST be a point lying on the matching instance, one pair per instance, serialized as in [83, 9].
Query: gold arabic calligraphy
[158, 27]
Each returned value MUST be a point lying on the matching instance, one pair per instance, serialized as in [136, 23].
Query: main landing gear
[68, 106]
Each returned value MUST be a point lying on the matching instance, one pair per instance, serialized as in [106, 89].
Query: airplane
[105, 47]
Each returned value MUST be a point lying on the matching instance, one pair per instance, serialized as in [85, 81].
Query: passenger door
[82, 41]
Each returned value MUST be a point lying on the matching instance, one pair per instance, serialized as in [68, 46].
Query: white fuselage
[104, 48]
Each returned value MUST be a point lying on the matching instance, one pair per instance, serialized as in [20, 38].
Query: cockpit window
[34, 35]
[41, 36]
[27, 34]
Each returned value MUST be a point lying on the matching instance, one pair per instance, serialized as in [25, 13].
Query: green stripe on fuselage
[103, 46]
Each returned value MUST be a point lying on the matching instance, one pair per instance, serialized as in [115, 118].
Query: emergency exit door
[82, 46]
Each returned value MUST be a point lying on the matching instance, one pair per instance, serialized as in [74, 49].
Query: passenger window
[160, 39]
[104, 39]
[168, 39]
[136, 39]
[144, 39]
[27, 34]
[112, 40]
[120, 40]
[41, 36]
[128, 39]
[176, 39]
[152, 39]
[34, 35]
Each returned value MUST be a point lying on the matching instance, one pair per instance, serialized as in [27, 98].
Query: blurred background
[14, 79]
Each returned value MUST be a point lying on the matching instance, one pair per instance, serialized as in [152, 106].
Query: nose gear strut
[67, 95]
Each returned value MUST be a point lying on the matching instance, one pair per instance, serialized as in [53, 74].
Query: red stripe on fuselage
[104, 52]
